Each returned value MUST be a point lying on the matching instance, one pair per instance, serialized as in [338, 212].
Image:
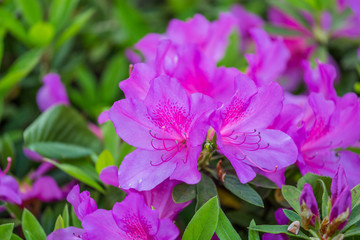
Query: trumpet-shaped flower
[242, 134]
[168, 127]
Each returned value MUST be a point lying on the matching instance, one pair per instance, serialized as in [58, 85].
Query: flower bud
[309, 210]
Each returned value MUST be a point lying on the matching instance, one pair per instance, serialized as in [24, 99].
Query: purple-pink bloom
[309, 210]
[82, 202]
[44, 189]
[130, 219]
[242, 134]
[261, 64]
[53, 92]
[168, 127]
[245, 21]
[69, 233]
[338, 184]
[210, 38]
[9, 187]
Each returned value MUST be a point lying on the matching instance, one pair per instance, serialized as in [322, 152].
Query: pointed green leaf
[253, 235]
[6, 231]
[60, 11]
[15, 237]
[276, 229]
[65, 216]
[202, 226]
[14, 26]
[224, 229]
[355, 195]
[59, 224]
[31, 227]
[243, 191]
[291, 215]
[205, 190]
[183, 192]
[292, 196]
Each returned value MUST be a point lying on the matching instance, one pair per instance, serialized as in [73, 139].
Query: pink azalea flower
[261, 64]
[44, 189]
[159, 198]
[53, 92]
[245, 21]
[308, 206]
[9, 187]
[130, 219]
[168, 127]
[209, 37]
[82, 202]
[242, 134]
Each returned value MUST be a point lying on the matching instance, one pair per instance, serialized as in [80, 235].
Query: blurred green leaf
[59, 224]
[243, 191]
[355, 195]
[292, 196]
[205, 190]
[31, 225]
[2, 36]
[60, 133]
[6, 231]
[78, 173]
[183, 192]
[76, 25]
[41, 33]
[262, 181]
[15, 210]
[104, 160]
[125, 149]
[66, 217]
[354, 217]
[15, 237]
[203, 224]
[253, 235]
[22, 67]
[276, 229]
[224, 229]
[60, 11]
[31, 11]
[111, 140]
[14, 26]
[312, 179]
[276, 30]
[74, 219]
[115, 71]
[352, 232]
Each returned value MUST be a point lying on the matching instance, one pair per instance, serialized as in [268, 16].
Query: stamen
[8, 165]
[131, 66]
[263, 169]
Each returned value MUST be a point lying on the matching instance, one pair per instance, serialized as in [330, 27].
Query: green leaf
[6, 231]
[202, 226]
[276, 229]
[31, 10]
[105, 159]
[205, 190]
[262, 181]
[292, 196]
[183, 192]
[76, 25]
[324, 199]
[291, 215]
[276, 30]
[60, 11]
[22, 67]
[65, 216]
[352, 232]
[2, 36]
[59, 224]
[243, 191]
[14, 26]
[355, 195]
[41, 34]
[253, 235]
[111, 141]
[61, 133]
[31, 225]
[224, 229]
[14, 210]
[312, 179]
[15, 237]
[78, 173]
[74, 219]
[354, 217]
[115, 71]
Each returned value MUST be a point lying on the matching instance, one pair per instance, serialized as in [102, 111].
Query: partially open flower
[309, 210]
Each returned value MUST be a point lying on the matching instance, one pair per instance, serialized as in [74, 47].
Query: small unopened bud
[294, 227]
[324, 225]
[337, 223]
[306, 216]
